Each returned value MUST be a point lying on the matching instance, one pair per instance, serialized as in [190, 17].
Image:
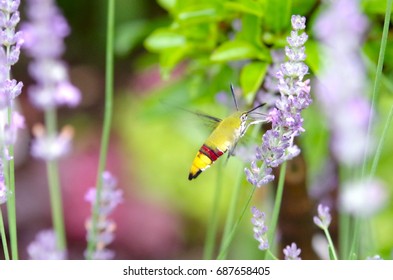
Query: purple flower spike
[110, 196]
[44, 247]
[260, 229]
[292, 252]
[10, 44]
[3, 189]
[298, 22]
[44, 42]
[105, 228]
[51, 147]
[342, 86]
[287, 122]
[324, 218]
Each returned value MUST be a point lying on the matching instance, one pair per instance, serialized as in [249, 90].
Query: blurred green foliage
[209, 33]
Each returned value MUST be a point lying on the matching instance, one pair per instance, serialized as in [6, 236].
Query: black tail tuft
[193, 176]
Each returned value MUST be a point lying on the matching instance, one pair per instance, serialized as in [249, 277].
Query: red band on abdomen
[210, 153]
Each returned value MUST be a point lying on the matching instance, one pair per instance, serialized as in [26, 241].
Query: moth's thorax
[234, 126]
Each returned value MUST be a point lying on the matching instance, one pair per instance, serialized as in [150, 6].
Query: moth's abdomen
[204, 158]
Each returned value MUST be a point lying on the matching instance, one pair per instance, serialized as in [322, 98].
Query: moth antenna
[253, 109]
[234, 97]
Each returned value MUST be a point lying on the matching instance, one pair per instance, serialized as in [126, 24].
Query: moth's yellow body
[223, 138]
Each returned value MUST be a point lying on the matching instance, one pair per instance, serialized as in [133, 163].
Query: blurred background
[165, 216]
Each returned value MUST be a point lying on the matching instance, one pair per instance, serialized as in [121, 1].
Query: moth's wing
[208, 120]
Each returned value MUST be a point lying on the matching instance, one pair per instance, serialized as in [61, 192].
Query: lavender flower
[44, 42]
[103, 254]
[10, 131]
[9, 88]
[3, 189]
[324, 218]
[278, 142]
[51, 147]
[260, 229]
[3, 192]
[10, 43]
[323, 221]
[363, 198]
[342, 85]
[110, 198]
[292, 252]
[44, 247]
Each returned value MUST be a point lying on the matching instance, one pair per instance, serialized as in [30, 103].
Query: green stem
[376, 89]
[234, 200]
[3, 237]
[231, 212]
[213, 221]
[346, 174]
[54, 184]
[106, 126]
[11, 202]
[56, 204]
[380, 144]
[227, 241]
[377, 82]
[330, 242]
[277, 205]
[355, 238]
[271, 255]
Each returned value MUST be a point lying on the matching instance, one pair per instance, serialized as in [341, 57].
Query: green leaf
[246, 6]
[130, 35]
[163, 39]
[313, 59]
[198, 16]
[236, 50]
[170, 58]
[201, 35]
[197, 12]
[168, 5]
[374, 6]
[251, 29]
[277, 15]
[251, 78]
[305, 7]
